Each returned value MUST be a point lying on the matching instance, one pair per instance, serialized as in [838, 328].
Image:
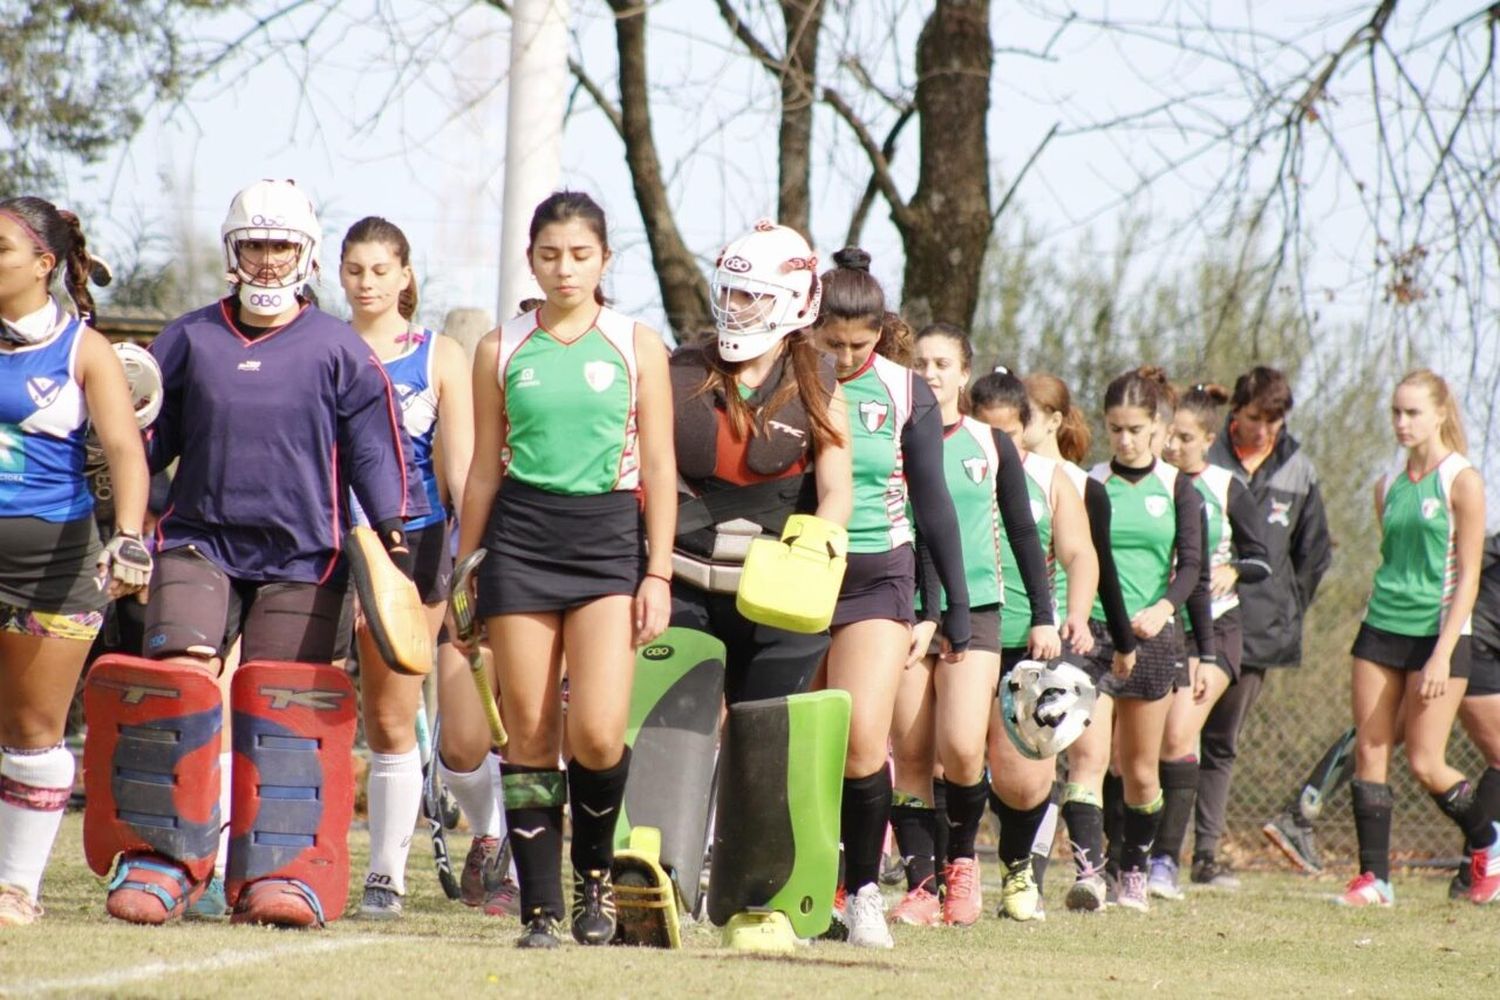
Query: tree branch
[901, 212]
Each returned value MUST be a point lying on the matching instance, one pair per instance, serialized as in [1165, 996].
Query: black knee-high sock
[866, 810]
[1041, 847]
[1018, 831]
[596, 797]
[915, 825]
[965, 810]
[1372, 824]
[1461, 805]
[1140, 824]
[534, 799]
[1487, 794]
[940, 829]
[1179, 789]
[1085, 820]
[1114, 819]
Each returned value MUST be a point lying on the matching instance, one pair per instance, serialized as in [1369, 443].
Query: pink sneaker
[963, 899]
[1367, 890]
[919, 908]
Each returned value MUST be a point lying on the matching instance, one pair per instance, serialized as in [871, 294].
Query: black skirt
[1406, 652]
[878, 585]
[552, 552]
[1157, 663]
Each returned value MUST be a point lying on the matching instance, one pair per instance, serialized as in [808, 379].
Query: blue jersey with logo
[412, 377]
[43, 422]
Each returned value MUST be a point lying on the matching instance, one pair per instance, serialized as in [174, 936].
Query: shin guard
[293, 788]
[151, 764]
[781, 780]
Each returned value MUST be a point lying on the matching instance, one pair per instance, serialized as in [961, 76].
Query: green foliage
[78, 78]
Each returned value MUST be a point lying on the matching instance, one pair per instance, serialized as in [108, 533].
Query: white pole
[533, 134]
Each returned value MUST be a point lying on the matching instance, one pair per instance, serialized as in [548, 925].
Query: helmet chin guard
[765, 286]
[1046, 706]
[272, 212]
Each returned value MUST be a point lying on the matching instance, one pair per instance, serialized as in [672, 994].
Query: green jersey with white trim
[1418, 559]
[1015, 629]
[969, 466]
[1142, 534]
[570, 408]
[879, 400]
[1212, 484]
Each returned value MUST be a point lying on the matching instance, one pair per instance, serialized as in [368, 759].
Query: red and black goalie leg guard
[151, 777]
[293, 793]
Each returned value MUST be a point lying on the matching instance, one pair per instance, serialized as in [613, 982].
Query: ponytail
[60, 234]
[806, 363]
[1451, 431]
[1203, 401]
[1051, 394]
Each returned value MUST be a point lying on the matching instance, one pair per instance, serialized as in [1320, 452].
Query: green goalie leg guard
[776, 836]
[672, 732]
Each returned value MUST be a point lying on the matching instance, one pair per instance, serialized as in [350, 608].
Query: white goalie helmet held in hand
[143, 376]
[271, 212]
[765, 286]
[1046, 706]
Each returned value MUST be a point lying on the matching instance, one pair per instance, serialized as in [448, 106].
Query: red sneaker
[1484, 871]
[1367, 890]
[919, 908]
[963, 899]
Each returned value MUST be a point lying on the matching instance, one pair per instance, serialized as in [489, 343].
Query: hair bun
[852, 259]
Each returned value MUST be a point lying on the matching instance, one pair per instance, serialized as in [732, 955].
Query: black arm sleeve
[1014, 501]
[1116, 617]
[1311, 546]
[929, 590]
[1250, 559]
[1200, 603]
[1187, 587]
[932, 507]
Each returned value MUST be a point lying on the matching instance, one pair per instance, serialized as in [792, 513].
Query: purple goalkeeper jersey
[270, 435]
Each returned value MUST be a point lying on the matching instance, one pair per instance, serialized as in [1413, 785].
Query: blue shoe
[211, 905]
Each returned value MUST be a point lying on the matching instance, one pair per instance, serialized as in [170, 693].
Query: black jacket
[1285, 488]
[1487, 607]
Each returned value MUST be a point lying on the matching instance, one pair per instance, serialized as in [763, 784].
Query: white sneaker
[865, 915]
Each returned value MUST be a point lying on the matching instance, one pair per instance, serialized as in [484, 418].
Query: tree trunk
[799, 88]
[948, 227]
[684, 292]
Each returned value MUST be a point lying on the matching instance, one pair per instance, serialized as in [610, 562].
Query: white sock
[395, 794]
[34, 790]
[226, 767]
[475, 792]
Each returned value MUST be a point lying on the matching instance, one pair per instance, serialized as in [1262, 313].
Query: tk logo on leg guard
[314, 700]
[134, 694]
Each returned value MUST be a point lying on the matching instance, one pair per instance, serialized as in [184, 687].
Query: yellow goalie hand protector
[794, 583]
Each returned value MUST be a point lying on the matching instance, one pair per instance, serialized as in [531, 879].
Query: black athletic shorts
[1229, 646]
[878, 585]
[1158, 662]
[551, 552]
[195, 607]
[431, 562]
[49, 566]
[760, 661]
[984, 624]
[1406, 652]
[1484, 670]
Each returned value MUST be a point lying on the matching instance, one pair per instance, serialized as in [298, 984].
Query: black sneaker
[1463, 879]
[1296, 840]
[593, 908]
[1207, 871]
[542, 931]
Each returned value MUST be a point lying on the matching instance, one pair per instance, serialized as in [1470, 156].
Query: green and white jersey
[970, 463]
[879, 398]
[1142, 534]
[1079, 479]
[1016, 629]
[570, 409]
[1212, 485]
[1418, 561]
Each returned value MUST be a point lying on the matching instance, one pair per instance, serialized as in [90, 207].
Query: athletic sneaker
[1132, 894]
[1207, 871]
[212, 905]
[1367, 890]
[542, 931]
[593, 908]
[1088, 893]
[1162, 882]
[920, 907]
[865, 917]
[1295, 839]
[380, 903]
[1484, 871]
[476, 879]
[504, 900]
[1463, 878]
[1019, 897]
[963, 899]
[17, 909]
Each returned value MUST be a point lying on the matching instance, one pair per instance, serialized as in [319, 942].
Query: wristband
[657, 576]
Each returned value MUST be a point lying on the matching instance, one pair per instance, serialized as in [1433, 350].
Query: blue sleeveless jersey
[43, 422]
[412, 377]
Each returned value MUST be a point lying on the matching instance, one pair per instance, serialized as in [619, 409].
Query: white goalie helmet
[273, 211]
[143, 376]
[1046, 706]
[776, 274]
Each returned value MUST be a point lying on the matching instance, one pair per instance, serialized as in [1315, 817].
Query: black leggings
[1219, 747]
[760, 661]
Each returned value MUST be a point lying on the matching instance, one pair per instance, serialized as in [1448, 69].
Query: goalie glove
[126, 559]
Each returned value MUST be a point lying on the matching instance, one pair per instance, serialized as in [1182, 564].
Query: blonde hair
[1451, 432]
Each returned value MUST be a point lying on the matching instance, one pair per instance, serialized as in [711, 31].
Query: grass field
[1278, 936]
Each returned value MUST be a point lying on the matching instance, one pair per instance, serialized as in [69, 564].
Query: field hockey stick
[432, 804]
[466, 625]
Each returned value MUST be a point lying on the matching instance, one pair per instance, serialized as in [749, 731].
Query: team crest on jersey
[1430, 508]
[1156, 506]
[872, 414]
[43, 389]
[977, 468]
[408, 396]
[1281, 513]
[600, 375]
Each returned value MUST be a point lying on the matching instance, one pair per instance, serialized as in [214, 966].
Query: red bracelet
[657, 576]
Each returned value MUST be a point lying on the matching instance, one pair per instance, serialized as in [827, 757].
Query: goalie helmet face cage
[281, 229]
[764, 287]
[1045, 707]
